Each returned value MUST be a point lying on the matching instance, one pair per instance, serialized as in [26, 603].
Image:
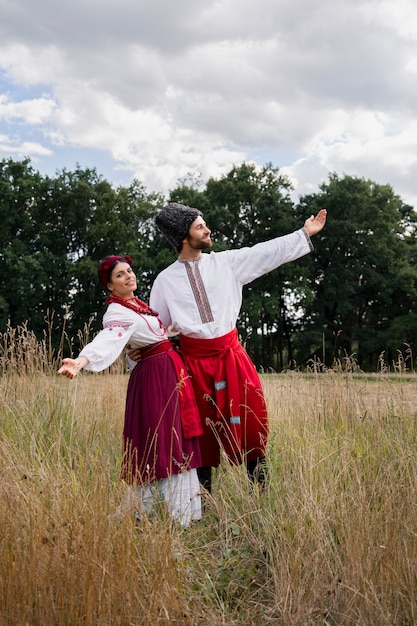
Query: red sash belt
[190, 420]
[226, 384]
[155, 348]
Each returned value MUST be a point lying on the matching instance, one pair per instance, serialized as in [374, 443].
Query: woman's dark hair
[107, 265]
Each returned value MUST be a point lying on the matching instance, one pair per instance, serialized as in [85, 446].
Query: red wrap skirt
[162, 424]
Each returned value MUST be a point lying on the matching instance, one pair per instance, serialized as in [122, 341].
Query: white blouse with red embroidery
[121, 326]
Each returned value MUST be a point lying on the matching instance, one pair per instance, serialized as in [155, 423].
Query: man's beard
[199, 244]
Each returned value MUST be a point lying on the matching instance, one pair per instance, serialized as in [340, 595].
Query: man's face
[199, 235]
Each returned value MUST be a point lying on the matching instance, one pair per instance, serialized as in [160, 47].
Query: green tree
[361, 278]
[23, 273]
[55, 231]
[105, 221]
[102, 221]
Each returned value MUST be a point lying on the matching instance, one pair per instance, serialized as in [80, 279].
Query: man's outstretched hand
[313, 224]
[133, 353]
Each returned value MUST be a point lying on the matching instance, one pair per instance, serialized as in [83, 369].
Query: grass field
[332, 540]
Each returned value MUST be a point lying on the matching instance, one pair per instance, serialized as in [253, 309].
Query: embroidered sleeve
[108, 344]
[113, 324]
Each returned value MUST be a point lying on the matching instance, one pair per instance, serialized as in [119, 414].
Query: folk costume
[201, 300]
[162, 426]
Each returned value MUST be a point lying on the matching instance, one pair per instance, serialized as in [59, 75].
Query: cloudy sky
[157, 89]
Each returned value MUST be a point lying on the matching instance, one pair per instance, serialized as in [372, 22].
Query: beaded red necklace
[134, 304]
[139, 307]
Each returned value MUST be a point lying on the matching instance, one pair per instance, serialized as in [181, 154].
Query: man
[199, 296]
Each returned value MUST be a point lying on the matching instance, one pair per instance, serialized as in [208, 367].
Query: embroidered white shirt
[223, 275]
[121, 326]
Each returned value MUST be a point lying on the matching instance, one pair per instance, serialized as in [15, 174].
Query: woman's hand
[71, 367]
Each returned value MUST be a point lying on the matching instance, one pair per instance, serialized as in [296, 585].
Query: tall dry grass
[330, 541]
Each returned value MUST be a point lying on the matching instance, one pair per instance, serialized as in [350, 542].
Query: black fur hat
[175, 220]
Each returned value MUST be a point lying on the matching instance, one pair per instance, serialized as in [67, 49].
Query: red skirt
[154, 445]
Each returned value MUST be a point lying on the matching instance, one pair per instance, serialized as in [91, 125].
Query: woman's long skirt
[156, 455]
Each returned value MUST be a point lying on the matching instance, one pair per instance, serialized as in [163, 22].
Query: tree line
[354, 297]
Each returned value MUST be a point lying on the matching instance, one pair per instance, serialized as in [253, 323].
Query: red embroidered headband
[106, 266]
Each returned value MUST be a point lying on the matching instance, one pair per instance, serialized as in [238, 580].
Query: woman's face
[122, 281]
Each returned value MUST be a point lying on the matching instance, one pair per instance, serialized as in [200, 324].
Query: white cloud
[29, 112]
[166, 89]
[23, 149]
[400, 16]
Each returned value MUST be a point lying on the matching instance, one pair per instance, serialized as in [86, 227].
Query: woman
[161, 429]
